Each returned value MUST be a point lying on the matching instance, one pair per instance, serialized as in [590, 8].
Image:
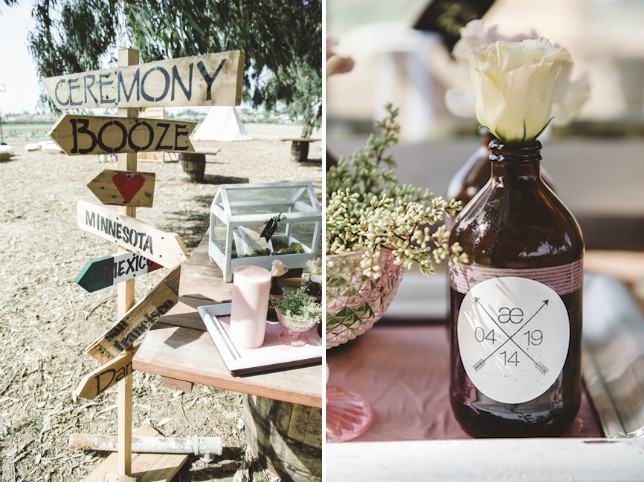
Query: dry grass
[46, 320]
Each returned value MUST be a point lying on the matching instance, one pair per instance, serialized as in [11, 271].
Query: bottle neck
[515, 160]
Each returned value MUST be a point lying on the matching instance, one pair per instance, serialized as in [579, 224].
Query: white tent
[221, 124]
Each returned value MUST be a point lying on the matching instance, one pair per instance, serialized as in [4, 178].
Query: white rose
[476, 33]
[460, 99]
[515, 86]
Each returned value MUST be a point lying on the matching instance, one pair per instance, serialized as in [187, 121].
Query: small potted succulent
[297, 312]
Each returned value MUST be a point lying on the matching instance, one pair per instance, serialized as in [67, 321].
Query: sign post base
[148, 467]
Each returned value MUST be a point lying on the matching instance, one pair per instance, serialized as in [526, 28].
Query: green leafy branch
[368, 209]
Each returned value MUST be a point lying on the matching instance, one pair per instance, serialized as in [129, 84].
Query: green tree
[282, 41]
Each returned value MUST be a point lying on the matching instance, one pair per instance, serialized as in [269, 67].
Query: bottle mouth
[515, 151]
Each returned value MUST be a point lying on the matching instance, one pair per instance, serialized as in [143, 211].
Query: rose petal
[515, 86]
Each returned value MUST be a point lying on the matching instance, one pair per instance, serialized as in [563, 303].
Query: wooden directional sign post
[129, 233]
[82, 134]
[111, 270]
[126, 162]
[214, 79]
[120, 188]
[137, 320]
[106, 376]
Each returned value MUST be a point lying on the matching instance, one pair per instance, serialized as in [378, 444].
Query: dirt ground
[47, 321]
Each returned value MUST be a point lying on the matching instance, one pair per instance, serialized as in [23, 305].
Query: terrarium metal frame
[298, 212]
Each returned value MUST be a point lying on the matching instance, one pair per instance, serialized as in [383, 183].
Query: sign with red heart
[120, 188]
[128, 184]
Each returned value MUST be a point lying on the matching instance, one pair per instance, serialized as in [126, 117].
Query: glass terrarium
[254, 224]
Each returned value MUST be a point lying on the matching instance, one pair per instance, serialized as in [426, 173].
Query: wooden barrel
[193, 165]
[286, 437]
[300, 151]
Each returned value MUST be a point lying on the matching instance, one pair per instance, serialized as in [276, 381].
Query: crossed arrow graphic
[479, 364]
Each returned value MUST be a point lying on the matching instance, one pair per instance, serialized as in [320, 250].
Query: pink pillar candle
[251, 287]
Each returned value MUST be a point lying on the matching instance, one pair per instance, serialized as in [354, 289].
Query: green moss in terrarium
[293, 248]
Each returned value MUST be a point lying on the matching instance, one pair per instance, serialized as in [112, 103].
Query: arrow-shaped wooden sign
[82, 134]
[138, 320]
[110, 270]
[120, 188]
[137, 236]
[106, 376]
[213, 79]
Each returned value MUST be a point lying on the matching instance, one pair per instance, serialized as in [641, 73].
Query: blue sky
[17, 69]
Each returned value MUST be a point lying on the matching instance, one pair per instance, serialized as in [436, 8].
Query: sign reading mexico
[107, 271]
[213, 79]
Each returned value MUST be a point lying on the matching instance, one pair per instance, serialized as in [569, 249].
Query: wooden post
[219, 74]
[126, 162]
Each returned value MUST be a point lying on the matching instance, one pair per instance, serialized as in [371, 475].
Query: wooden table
[299, 147]
[178, 345]
[299, 139]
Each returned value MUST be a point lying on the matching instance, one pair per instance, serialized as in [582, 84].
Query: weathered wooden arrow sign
[110, 270]
[83, 134]
[138, 320]
[130, 233]
[119, 188]
[106, 376]
[213, 79]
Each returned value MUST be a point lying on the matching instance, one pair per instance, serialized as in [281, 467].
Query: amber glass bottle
[516, 308]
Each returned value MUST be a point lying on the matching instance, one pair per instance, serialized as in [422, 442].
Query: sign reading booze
[213, 79]
[83, 134]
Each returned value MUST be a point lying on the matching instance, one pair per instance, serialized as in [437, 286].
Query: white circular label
[513, 337]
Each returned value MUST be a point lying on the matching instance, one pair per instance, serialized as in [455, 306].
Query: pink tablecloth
[403, 372]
